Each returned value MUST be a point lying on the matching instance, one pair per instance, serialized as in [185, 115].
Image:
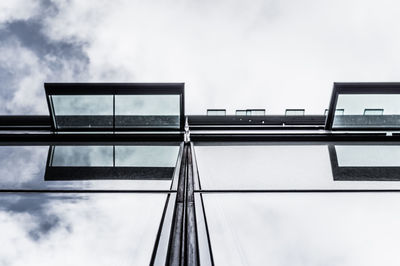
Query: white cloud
[28, 75]
[18, 10]
[234, 54]
[231, 54]
[88, 229]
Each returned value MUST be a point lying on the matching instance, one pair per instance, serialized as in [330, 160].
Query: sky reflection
[23, 167]
[282, 167]
[354, 229]
[78, 229]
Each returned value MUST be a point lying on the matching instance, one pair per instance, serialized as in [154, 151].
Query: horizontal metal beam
[88, 137]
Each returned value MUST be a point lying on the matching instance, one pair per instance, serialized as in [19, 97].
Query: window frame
[114, 89]
[359, 88]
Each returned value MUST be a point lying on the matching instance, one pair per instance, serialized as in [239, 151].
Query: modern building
[118, 174]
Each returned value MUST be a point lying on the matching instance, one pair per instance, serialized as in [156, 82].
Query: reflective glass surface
[355, 229]
[82, 156]
[367, 111]
[368, 156]
[83, 111]
[294, 112]
[146, 156]
[216, 112]
[290, 166]
[255, 112]
[87, 167]
[147, 111]
[78, 229]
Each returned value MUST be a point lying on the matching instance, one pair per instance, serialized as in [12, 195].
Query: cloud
[28, 58]
[40, 228]
[18, 10]
[231, 54]
[303, 228]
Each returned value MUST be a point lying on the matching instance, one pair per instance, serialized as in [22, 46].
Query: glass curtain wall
[298, 203]
[87, 204]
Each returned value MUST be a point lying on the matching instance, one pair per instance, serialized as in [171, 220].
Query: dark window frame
[114, 89]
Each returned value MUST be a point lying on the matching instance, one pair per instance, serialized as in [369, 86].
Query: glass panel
[146, 156]
[337, 112]
[144, 111]
[82, 168]
[256, 112]
[216, 112]
[83, 111]
[357, 229]
[365, 162]
[368, 155]
[368, 111]
[290, 166]
[82, 156]
[79, 229]
[240, 112]
[373, 112]
[294, 112]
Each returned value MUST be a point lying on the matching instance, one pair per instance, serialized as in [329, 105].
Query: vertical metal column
[183, 245]
[192, 250]
[176, 252]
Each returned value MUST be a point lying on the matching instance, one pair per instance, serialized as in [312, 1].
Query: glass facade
[88, 167]
[281, 190]
[79, 228]
[273, 166]
[303, 228]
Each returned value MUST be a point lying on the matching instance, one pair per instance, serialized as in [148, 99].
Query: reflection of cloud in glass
[368, 155]
[83, 104]
[146, 156]
[355, 104]
[304, 229]
[273, 167]
[23, 167]
[83, 156]
[101, 229]
[147, 105]
[22, 164]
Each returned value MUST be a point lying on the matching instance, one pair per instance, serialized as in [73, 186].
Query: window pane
[79, 229]
[78, 168]
[368, 155]
[83, 111]
[294, 112]
[217, 112]
[368, 111]
[83, 156]
[357, 229]
[290, 166]
[255, 112]
[146, 156]
[143, 111]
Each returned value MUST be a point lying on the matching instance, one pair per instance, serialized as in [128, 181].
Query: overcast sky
[230, 53]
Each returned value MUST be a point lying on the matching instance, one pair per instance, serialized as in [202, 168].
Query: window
[255, 112]
[355, 229]
[109, 106]
[373, 106]
[89, 167]
[94, 228]
[294, 112]
[295, 166]
[216, 112]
